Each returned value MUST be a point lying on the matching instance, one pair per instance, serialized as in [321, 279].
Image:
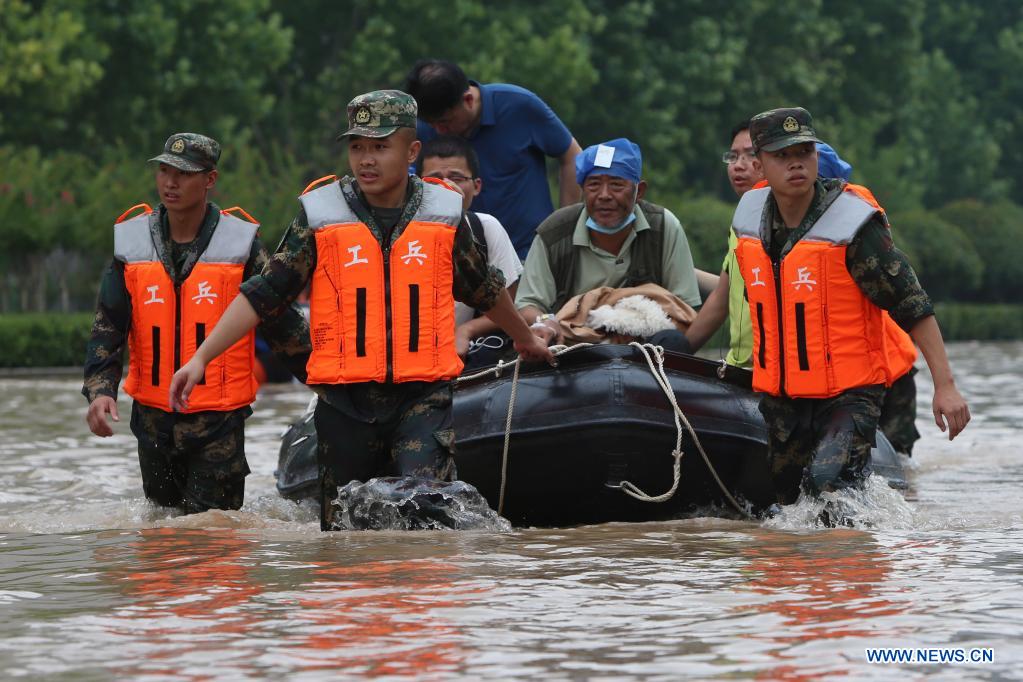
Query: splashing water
[875, 505]
[407, 503]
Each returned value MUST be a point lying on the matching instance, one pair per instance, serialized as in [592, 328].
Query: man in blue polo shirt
[512, 131]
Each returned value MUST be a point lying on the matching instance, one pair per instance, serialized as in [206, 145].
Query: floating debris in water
[404, 503]
[873, 506]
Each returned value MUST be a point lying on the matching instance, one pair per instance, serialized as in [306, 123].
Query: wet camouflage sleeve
[104, 352]
[287, 334]
[286, 273]
[476, 284]
[885, 276]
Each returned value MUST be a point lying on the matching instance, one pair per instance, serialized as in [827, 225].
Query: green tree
[996, 231]
[49, 62]
[945, 260]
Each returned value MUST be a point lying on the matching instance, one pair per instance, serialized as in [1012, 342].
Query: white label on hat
[605, 155]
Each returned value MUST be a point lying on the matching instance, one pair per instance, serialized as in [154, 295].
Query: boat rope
[650, 354]
[654, 356]
[496, 370]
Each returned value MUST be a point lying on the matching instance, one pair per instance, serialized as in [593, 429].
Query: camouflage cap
[190, 152]
[779, 128]
[380, 113]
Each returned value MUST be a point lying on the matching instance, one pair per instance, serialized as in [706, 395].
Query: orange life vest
[168, 323]
[815, 334]
[382, 314]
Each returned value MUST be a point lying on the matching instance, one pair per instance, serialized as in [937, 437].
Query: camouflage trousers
[820, 444]
[898, 413]
[413, 440]
[192, 461]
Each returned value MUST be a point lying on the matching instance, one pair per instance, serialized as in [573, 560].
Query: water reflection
[189, 593]
[261, 593]
[824, 586]
[225, 599]
[378, 618]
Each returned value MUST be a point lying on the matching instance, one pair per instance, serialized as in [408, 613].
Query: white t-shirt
[500, 254]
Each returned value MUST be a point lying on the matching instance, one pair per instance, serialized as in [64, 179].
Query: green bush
[944, 258]
[706, 222]
[996, 231]
[979, 321]
[44, 340]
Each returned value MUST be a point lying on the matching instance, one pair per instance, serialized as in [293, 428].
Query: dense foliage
[921, 97]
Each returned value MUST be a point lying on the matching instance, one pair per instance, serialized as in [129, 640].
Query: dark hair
[447, 147]
[436, 86]
[738, 128]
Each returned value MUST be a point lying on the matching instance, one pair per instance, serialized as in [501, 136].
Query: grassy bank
[44, 339]
[57, 340]
[980, 321]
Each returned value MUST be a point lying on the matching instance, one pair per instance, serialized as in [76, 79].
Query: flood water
[96, 584]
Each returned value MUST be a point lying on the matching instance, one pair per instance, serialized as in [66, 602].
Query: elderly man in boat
[613, 268]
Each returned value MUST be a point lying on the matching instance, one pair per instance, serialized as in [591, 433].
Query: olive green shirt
[598, 268]
[740, 328]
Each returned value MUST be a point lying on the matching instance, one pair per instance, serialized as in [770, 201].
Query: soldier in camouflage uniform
[371, 428]
[193, 461]
[822, 444]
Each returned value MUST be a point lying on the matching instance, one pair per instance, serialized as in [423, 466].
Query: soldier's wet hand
[535, 349]
[96, 417]
[183, 382]
[949, 406]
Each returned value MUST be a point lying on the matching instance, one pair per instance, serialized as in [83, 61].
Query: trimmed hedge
[58, 340]
[980, 321]
[44, 339]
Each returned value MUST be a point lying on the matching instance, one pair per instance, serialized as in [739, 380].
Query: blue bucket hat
[830, 164]
[620, 157]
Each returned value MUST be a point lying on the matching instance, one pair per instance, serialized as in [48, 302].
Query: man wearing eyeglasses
[727, 299]
[478, 340]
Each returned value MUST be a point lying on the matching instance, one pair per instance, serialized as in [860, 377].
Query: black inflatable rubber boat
[600, 418]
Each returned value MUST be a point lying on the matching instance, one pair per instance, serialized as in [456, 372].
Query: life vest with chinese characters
[384, 314]
[815, 334]
[169, 322]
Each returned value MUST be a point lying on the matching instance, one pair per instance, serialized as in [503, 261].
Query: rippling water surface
[97, 584]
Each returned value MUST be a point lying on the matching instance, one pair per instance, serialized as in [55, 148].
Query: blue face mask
[592, 224]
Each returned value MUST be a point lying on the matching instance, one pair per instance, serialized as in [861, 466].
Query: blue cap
[830, 165]
[626, 161]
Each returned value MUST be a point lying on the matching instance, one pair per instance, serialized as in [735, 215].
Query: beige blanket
[574, 315]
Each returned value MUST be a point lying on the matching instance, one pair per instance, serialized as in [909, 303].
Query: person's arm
[104, 352]
[239, 318]
[529, 344]
[263, 296]
[948, 405]
[569, 191]
[886, 278]
[711, 315]
[677, 262]
[477, 327]
[287, 334]
[482, 287]
[555, 140]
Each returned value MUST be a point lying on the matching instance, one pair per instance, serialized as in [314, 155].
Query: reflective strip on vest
[133, 240]
[169, 324]
[352, 285]
[815, 334]
[325, 205]
[231, 241]
[746, 221]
